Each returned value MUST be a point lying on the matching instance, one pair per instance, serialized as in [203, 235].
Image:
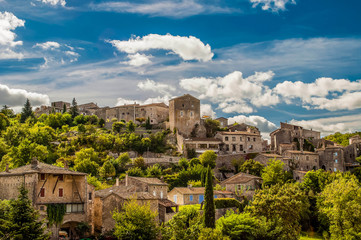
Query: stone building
[264, 158]
[154, 186]
[59, 106]
[88, 108]
[223, 122]
[332, 158]
[240, 142]
[242, 183]
[184, 114]
[48, 184]
[302, 160]
[289, 136]
[193, 195]
[157, 112]
[200, 145]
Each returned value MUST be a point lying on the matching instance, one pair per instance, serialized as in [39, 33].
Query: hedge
[229, 203]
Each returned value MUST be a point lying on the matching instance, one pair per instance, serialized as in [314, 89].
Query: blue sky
[254, 61]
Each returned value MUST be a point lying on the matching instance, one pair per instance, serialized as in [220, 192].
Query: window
[181, 113]
[226, 139]
[240, 147]
[248, 139]
[336, 161]
[200, 198]
[227, 147]
[154, 194]
[42, 208]
[240, 138]
[335, 154]
[191, 114]
[42, 192]
[233, 139]
[307, 158]
[175, 198]
[161, 195]
[42, 177]
[77, 207]
[215, 196]
[335, 169]
[90, 196]
[61, 192]
[61, 177]
[251, 147]
[191, 198]
[254, 139]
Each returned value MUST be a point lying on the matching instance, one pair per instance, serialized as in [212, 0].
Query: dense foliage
[342, 138]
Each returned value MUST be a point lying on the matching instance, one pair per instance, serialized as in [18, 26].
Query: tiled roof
[184, 96]
[301, 152]
[197, 190]
[204, 140]
[167, 203]
[270, 155]
[126, 192]
[241, 178]
[153, 181]
[40, 168]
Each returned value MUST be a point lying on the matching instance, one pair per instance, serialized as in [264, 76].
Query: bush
[229, 203]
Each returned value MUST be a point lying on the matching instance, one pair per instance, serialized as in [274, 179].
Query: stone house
[242, 183]
[287, 134]
[88, 108]
[184, 114]
[223, 122]
[193, 195]
[351, 152]
[263, 158]
[302, 160]
[200, 145]
[48, 184]
[59, 106]
[240, 142]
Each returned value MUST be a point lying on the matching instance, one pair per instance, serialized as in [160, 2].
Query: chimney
[7, 167]
[117, 182]
[126, 179]
[34, 163]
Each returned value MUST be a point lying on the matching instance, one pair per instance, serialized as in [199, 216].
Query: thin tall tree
[26, 111]
[209, 207]
[74, 111]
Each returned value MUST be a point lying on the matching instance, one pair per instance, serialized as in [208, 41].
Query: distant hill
[340, 138]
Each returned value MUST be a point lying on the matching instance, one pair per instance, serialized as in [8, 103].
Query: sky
[261, 62]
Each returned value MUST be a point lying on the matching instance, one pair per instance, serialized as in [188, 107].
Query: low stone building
[223, 122]
[302, 160]
[48, 184]
[88, 108]
[193, 195]
[264, 158]
[242, 184]
[200, 145]
[240, 142]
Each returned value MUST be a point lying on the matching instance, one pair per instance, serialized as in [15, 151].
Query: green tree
[64, 108]
[139, 162]
[7, 111]
[5, 224]
[74, 111]
[211, 234]
[209, 208]
[147, 124]
[208, 158]
[274, 173]
[340, 203]
[25, 220]
[130, 126]
[26, 111]
[120, 162]
[107, 170]
[117, 126]
[252, 167]
[212, 126]
[101, 122]
[86, 161]
[135, 222]
[4, 121]
[282, 206]
[135, 172]
[154, 171]
[183, 163]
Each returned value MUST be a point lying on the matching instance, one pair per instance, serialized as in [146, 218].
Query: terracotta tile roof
[167, 203]
[125, 192]
[196, 190]
[239, 133]
[40, 168]
[153, 181]
[241, 178]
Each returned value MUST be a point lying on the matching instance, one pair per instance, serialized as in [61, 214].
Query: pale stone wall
[304, 161]
[9, 185]
[240, 143]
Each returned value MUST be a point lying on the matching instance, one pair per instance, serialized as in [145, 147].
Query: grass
[309, 238]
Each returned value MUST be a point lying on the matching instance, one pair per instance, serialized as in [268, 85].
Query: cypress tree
[74, 111]
[26, 111]
[24, 219]
[64, 108]
[209, 207]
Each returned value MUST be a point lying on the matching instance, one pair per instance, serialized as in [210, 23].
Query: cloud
[324, 93]
[326, 126]
[8, 23]
[48, 45]
[206, 110]
[272, 5]
[17, 97]
[165, 8]
[159, 99]
[138, 59]
[150, 85]
[54, 2]
[233, 92]
[188, 48]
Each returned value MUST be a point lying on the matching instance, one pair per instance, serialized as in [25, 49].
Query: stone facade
[240, 142]
[184, 114]
[200, 145]
[153, 186]
[242, 183]
[302, 160]
[287, 134]
[193, 195]
[88, 108]
[223, 122]
[48, 184]
[264, 158]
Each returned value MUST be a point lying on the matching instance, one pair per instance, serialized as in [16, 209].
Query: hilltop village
[188, 135]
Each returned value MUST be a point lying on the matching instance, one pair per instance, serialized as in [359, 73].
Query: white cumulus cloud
[272, 5]
[17, 97]
[138, 59]
[188, 48]
[54, 2]
[48, 45]
[206, 110]
[159, 99]
[8, 23]
[233, 92]
[150, 85]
